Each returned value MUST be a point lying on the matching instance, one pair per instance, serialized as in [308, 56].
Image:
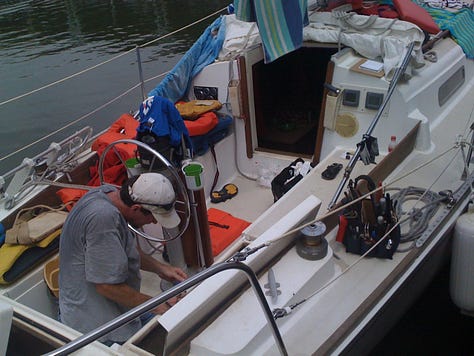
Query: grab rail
[355, 157]
[159, 299]
[56, 155]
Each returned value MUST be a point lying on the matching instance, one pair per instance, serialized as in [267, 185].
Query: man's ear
[135, 207]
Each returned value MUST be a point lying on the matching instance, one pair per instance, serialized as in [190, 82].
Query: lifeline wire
[87, 70]
[281, 312]
[108, 60]
[71, 123]
[384, 186]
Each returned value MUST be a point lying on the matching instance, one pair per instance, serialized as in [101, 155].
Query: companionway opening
[288, 94]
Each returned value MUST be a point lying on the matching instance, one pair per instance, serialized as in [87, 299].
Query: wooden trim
[379, 173]
[320, 133]
[393, 159]
[385, 166]
[190, 246]
[424, 275]
[245, 112]
[356, 68]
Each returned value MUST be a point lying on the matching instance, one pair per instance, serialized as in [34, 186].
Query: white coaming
[214, 290]
[6, 315]
[245, 321]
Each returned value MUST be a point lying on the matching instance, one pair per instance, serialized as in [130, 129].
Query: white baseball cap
[155, 192]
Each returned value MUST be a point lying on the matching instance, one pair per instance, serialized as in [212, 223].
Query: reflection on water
[44, 41]
[36, 28]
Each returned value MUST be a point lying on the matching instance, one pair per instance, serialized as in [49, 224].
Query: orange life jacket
[124, 128]
[224, 229]
[203, 124]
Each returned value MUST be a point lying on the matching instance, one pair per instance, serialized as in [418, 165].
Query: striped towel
[280, 23]
[460, 24]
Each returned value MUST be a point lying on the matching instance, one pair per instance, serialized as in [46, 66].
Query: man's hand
[163, 270]
[171, 273]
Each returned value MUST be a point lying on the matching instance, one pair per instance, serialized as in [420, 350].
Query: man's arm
[125, 295]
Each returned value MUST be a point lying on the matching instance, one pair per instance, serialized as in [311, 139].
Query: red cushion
[414, 13]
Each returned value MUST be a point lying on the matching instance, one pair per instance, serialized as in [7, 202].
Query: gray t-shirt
[96, 246]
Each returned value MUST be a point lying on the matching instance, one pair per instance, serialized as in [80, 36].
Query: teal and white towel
[460, 24]
[280, 23]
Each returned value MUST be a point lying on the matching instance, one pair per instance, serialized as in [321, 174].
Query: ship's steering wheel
[175, 179]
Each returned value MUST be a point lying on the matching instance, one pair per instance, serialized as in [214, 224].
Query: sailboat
[353, 110]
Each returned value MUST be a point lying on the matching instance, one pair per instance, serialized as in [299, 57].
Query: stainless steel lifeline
[179, 288]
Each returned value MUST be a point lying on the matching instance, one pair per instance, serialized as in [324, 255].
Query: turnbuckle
[448, 198]
[281, 312]
[242, 255]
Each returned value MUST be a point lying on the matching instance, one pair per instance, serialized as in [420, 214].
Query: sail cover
[372, 37]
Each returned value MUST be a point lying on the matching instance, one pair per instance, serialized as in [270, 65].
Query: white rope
[332, 212]
[85, 116]
[63, 79]
[360, 258]
[184, 28]
[383, 186]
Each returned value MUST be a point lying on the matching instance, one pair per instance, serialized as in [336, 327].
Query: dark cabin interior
[288, 96]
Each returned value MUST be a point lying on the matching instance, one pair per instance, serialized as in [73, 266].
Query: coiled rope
[431, 200]
[418, 218]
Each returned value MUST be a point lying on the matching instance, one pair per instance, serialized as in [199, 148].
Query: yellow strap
[10, 253]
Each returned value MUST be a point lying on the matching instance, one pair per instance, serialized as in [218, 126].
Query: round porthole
[346, 124]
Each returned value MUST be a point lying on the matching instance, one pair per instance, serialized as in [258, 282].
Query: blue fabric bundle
[280, 23]
[160, 116]
[460, 24]
[203, 52]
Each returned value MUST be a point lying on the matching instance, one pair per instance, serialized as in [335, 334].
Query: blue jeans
[144, 318]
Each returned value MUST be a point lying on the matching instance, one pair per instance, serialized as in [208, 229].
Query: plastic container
[133, 167]
[193, 174]
[392, 144]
